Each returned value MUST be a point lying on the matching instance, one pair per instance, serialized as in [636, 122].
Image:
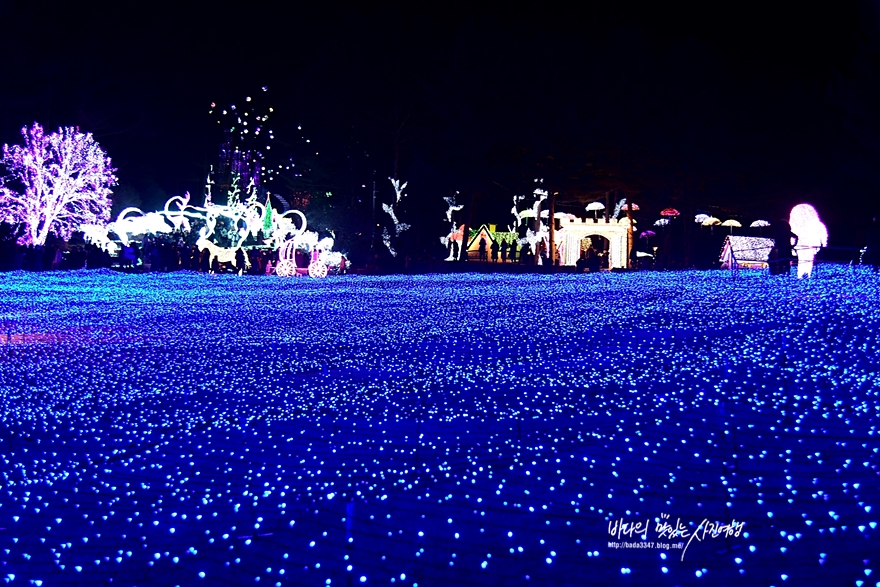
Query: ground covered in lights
[185, 429]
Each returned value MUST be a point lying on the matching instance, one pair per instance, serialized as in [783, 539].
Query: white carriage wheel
[285, 268]
[318, 270]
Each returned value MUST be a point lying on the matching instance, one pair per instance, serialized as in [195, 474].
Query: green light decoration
[267, 216]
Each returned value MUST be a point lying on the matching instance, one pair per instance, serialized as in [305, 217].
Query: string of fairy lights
[246, 149]
[435, 430]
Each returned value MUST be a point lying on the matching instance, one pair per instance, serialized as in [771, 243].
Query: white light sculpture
[134, 222]
[533, 237]
[812, 235]
[218, 253]
[449, 238]
[285, 232]
[321, 254]
[399, 226]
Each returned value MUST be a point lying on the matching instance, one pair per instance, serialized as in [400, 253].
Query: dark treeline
[740, 114]
[158, 254]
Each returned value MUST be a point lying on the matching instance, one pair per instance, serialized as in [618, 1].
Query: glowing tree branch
[618, 208]
[516, 213]
[66, 179]
[533, 237]
[447, 240]
[398, 189]
[453, 207]
[390, 210]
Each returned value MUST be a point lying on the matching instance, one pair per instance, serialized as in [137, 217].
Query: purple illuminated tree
[64, 180]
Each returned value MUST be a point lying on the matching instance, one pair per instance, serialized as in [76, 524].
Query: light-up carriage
[322, 259]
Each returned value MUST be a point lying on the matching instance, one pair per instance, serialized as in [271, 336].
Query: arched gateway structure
[573, 231]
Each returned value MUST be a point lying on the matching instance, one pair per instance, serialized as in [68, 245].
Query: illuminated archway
[573, 231]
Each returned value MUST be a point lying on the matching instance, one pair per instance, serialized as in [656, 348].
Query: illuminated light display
[595, 208]
[542, 234]
[247, 141]
[322, 257]
[133, 222]
[812, 236]
[747, 252]
[155, 427]
[517, 219]
[456, 234]
[285, 232]
[386, 240]
[65, 179]
[539, 232]
[390, 209]
[573, 231]
[219, 254]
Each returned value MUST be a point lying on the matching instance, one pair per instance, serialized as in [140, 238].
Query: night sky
[735, 109]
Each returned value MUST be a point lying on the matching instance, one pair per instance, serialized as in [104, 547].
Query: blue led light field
[187, 429]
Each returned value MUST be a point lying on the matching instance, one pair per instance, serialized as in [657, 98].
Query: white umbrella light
[595, 207]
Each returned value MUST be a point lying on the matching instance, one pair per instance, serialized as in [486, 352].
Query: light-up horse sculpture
[221, 254]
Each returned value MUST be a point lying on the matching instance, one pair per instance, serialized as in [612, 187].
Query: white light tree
[65, 179]
[390, 210]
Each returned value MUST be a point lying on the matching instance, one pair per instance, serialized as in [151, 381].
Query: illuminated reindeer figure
[222, 254]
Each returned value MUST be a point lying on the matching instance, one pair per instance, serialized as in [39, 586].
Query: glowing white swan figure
[178, 217]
